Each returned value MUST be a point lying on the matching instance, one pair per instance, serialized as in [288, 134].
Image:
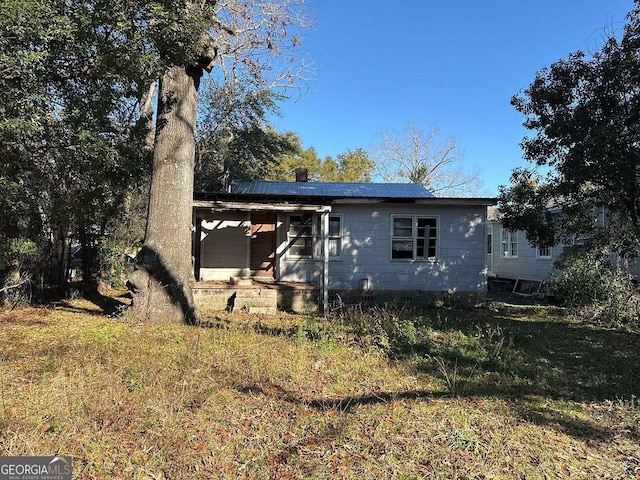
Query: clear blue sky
[454, 63]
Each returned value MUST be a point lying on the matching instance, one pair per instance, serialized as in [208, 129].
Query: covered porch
[242, 255]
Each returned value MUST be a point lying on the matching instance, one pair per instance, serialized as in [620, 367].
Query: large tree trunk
[161, 281]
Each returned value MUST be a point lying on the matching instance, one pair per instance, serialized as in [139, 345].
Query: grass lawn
[507, 391]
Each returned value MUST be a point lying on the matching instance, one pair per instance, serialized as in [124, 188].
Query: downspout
[247, 257]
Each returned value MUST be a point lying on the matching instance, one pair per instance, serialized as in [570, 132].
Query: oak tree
[244, 41]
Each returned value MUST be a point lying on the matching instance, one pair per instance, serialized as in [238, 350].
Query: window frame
[541, 256]
[430, 236]
[510, 236]
[336, 237]
[292, 238]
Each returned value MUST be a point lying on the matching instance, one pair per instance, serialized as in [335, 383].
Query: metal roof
[333, 189]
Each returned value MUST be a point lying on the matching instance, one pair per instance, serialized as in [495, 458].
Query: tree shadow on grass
[556, 359]
[546, 366]
[342, 404]
[540, 365]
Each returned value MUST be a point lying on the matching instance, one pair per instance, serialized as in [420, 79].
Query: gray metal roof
[333, 189]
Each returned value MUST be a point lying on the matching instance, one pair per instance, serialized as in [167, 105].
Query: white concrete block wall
[459, 262]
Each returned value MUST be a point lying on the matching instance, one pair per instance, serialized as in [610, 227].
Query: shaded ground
[513, 390]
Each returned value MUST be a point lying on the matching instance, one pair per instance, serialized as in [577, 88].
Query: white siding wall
[526, 265]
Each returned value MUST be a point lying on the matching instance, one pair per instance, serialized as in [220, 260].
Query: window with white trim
[544, 253]
[413, 237]
[509, 244]
[335, 236]
[300, 236]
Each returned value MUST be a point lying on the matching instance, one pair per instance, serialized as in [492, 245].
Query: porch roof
[227, 206]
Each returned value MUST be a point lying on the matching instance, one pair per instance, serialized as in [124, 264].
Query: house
[310, 244]
[511, 258]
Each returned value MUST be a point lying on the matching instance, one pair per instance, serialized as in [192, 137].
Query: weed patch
[515, 393]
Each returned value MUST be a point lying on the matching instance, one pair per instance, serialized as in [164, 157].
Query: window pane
[301, 247]
[334, 247]
[514, 249]
[427, 237]
[334, 226]
[544, 252]
[300, 230]
[509, 244]
[402, 227]
[300, 236]
[420, 248]
[402, 249]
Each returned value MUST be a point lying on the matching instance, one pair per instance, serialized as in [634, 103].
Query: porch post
[197, 244]
[324, 294]
[247, 261]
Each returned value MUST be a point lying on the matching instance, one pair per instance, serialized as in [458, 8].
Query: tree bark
[163, 272]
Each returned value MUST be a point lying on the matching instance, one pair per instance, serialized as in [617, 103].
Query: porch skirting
[272, 297]
[258, 297]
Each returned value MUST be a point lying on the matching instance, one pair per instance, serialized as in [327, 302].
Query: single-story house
[311, 244]
[511, 258]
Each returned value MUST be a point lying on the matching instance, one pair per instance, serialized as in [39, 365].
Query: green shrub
[18, 256]
[112, 269]
[589, 281]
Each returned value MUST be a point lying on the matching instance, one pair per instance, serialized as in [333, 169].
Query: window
[578, 240]
[300, 236]
[489, 243]
[335, 236]
[509, 244]
[304, 236]
[543, 253]
[414, 238]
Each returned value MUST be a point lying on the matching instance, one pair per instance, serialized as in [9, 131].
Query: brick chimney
[302, 174]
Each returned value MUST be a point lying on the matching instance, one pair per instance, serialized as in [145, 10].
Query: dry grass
[539, 395]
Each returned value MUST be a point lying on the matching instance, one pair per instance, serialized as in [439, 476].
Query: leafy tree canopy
[235, 139]
[584, 113]
[350, 166]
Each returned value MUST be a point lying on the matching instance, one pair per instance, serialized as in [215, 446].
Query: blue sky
[455, 64]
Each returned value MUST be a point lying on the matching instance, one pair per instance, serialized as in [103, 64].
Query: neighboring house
[510, 256]
[358, 243]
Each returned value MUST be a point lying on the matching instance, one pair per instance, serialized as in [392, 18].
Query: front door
[263, 244]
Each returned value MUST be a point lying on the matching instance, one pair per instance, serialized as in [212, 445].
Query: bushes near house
[17, 256]
[590, 282]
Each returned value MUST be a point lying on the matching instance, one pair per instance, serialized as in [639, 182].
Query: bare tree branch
[426, 158]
